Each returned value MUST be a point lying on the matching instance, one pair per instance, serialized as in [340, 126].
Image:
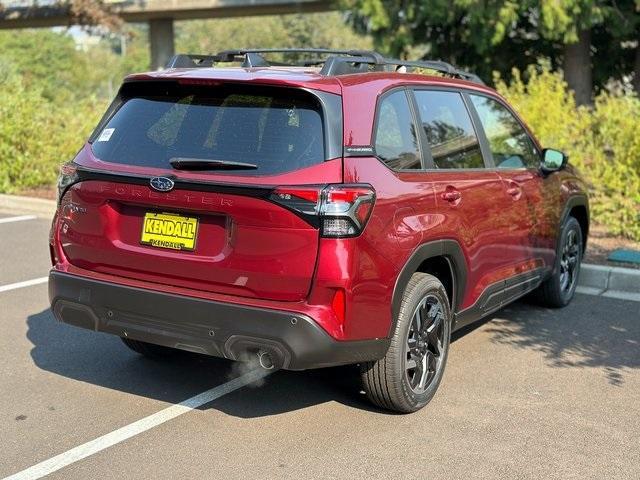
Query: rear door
[470, 195]
[228, 228]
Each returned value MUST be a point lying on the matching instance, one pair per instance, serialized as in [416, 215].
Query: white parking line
[26, 283]
[94, 446]
[17, 219]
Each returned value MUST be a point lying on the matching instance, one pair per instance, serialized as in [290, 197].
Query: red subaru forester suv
[337, 208]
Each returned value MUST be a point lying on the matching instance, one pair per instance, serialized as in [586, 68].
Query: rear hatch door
[178, 186]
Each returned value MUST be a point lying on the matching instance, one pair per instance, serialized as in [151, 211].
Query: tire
[390, 382]
[558, 290]
[148, 349]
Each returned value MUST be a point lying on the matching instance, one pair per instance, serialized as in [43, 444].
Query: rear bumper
[225, 330]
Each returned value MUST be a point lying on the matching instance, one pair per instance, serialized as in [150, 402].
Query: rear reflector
[338, 305]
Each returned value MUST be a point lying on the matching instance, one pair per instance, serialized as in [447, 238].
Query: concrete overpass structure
[160, 15]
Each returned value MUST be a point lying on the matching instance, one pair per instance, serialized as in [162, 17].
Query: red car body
[490, 234]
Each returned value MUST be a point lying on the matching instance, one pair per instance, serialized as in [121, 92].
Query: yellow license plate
[167, 230]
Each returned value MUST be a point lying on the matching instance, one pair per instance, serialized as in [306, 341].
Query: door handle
[514, 190]
[452, 195]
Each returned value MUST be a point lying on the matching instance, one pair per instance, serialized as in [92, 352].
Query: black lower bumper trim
[213, 328]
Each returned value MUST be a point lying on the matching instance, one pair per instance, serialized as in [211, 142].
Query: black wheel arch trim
[447, 248]
[577, 200]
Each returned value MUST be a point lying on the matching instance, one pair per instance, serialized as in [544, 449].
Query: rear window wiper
[186, 163]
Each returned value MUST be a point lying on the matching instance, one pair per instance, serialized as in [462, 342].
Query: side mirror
[553, 160]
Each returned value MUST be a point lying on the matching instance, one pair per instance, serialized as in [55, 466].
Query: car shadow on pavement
[103, 360]
[603, 335]
[599, 333]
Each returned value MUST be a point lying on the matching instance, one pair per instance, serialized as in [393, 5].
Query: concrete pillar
[161, 42]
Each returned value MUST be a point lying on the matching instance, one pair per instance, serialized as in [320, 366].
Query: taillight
[345, 209]
[342, 210]
[68, 176]
[301, 199]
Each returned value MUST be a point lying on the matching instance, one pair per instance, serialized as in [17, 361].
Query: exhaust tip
[265, 360]
[266, 354]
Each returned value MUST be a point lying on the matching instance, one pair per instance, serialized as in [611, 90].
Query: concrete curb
[614, 282]
[17, 205]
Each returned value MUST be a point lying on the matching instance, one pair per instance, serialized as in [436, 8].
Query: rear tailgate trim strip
[248, 190]
[85, 174]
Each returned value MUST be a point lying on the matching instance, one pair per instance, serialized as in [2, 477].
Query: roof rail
[250, 57]
[334, 62]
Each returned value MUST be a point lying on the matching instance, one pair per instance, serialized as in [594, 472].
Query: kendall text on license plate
[167, 230]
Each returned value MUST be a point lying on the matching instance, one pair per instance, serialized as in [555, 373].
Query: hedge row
[603, 141]
[37, 135]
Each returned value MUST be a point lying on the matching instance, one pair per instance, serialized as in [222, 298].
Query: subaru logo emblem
[162, 184]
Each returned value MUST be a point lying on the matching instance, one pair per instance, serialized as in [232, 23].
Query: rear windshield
[277, 129]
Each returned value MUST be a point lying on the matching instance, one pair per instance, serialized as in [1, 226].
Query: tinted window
[449, 130]
[278, 130]
[396, 136]
[510, 144]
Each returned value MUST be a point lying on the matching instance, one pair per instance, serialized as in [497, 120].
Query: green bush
[602, 141]
[52, 95]
[36, 134]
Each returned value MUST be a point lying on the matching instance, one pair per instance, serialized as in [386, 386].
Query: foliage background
[602, 141]
[53, 94]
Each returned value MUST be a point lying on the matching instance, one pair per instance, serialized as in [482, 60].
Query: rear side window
[448, 129]
[510, 144]
[396, 140]
[277, 129]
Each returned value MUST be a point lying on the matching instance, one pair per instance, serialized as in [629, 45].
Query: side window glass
[449, 131]
[396, 140]
[510, 144]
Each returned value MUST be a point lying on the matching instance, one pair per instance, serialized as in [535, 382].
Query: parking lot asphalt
[528, 393]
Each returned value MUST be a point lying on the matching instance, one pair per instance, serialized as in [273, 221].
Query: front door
[517, 161]
[470, 196]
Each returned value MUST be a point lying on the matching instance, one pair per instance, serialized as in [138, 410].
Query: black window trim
[485, 147]
[485, 151]
[426, 157]
[412, 109]
[468, 94]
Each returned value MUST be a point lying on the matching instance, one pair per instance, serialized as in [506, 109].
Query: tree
[625, 31]
[571, 23]
[310, 30]
[488, 35]
[636, 71]
[598, 30]
[478, 35]
[45, 58]
[93, 13]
